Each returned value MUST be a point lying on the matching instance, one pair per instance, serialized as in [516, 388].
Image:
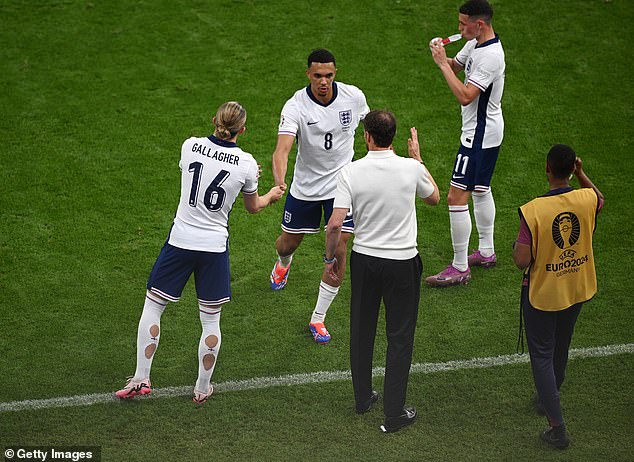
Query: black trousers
[398, 283]
[548, 334]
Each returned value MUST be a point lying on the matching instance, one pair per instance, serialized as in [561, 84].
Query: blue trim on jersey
[169, 233]
[495, 39]
[554, 192]
[481, 123]
[223, 143]
[335, 92]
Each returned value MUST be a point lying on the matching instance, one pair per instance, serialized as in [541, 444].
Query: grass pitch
[96, 99]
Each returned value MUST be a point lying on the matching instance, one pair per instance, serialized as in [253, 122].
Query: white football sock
[209, 346]
[484, 211]
[327, 294]
[285, 261]
[460, 222]
[148, 334]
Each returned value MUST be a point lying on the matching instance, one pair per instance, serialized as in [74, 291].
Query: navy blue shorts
[304, 217]
[473, 168]
[174, 266]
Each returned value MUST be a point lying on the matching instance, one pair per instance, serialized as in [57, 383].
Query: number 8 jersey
[325, 138]
[213, 173]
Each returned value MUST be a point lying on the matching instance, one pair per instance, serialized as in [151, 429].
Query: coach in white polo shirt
[381, 188]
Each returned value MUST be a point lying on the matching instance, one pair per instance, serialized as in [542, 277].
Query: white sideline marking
[303, 379]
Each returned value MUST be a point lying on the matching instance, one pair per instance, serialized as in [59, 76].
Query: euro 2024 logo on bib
[566, 231]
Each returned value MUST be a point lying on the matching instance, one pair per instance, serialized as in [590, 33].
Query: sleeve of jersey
[289, 121]
[363, 106]
[343, 196]
[251, 180]
[424, 187]
[185, 149]
[524, 234]
[463, 54]
[485, 72]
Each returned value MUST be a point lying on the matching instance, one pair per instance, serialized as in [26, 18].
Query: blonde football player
[214, 172]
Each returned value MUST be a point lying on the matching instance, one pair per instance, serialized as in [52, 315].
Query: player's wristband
[328, 261]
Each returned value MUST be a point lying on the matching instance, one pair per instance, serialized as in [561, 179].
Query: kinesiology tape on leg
[209, 345]
[148, 334]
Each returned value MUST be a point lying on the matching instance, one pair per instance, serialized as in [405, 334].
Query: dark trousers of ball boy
[398, 283]
[548, 335]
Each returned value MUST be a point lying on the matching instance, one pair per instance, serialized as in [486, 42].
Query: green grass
[459, 420]
[95, 101]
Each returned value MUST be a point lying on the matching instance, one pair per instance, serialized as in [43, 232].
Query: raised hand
[413, 147]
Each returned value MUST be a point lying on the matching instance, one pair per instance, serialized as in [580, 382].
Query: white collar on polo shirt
[381, 154]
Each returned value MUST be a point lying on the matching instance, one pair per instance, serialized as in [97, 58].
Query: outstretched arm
[255, 203]
[280, 158]
[333, 234]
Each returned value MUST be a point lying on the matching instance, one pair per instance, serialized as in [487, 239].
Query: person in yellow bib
[554, 248]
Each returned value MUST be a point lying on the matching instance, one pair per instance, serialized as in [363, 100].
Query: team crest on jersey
[469, 64]
[345, 117]
[281, 121]
[287, 216]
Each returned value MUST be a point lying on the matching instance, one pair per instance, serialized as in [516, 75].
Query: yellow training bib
[562, 270]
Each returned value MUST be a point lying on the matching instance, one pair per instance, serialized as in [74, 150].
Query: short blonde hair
[230, 118]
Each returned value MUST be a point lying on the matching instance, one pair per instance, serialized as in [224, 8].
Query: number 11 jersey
[213, 173]
[325, 138]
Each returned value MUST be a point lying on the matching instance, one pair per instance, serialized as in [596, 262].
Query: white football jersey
[482, 121]
[325, 138]
[213, 173]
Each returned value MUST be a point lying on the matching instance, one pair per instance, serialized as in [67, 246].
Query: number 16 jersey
[213, 173]
[325, 138]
